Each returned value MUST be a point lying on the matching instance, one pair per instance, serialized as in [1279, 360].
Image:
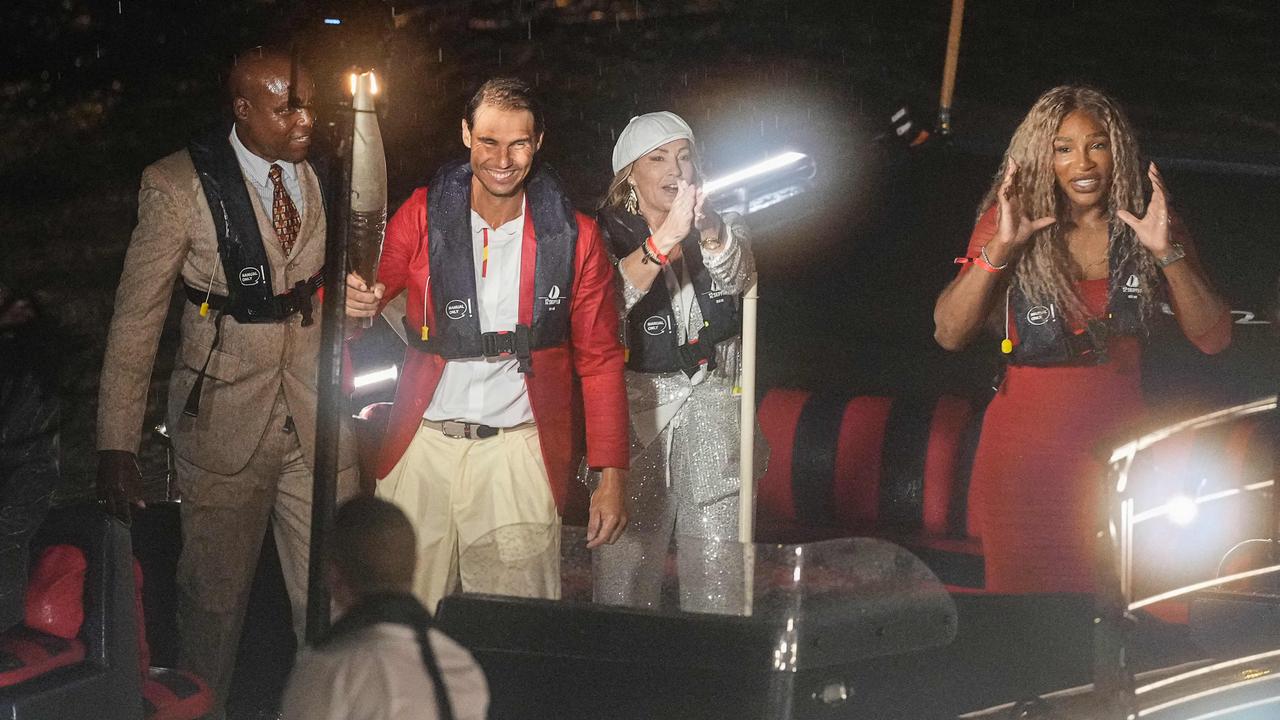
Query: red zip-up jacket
[591, 360]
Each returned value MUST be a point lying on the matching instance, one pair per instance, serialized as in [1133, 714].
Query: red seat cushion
[55, 592]
[175, 695]
[26, 653]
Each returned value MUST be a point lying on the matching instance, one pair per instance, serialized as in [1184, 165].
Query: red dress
[1037, 482]
[1038, 473]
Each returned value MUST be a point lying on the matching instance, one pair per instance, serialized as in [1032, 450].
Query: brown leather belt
[460, 430]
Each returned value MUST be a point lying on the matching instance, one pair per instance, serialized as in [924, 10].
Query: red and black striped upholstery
[27, 653]
[175, 695]
[874, 466]
[53, 617]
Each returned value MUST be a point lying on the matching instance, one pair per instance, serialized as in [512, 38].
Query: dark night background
[91, 92]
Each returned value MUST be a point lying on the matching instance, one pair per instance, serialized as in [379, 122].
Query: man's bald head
[268, 123]
[249, 67]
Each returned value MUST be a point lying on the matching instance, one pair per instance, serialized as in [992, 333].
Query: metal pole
[949, 69]
[331, 404]
[1112, 678]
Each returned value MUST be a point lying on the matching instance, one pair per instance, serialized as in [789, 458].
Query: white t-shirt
[378, 674]
[490, 391]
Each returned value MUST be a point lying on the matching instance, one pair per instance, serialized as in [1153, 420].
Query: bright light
[760, 168]
[375, 377]
[354, 79]
[332, 21]
[1182, 510]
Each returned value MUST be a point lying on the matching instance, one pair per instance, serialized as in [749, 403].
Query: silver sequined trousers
[698, 450]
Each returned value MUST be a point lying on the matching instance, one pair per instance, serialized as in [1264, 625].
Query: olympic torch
[368, 183]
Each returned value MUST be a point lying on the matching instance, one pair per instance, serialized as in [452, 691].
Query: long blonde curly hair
[1045, 272]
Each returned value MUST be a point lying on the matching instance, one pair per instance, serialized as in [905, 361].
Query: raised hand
[679, 219]
[1153, 228]
[362, 300]
[1013, 227]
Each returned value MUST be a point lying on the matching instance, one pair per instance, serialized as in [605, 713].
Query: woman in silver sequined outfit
[681, 272]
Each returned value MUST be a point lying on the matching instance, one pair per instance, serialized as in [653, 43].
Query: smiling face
[502, 145]
[1082, 160]
[266, 123]
[655, 173]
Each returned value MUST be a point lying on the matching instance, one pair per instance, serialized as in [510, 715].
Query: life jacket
[244, 259]
[249, 297]
[455, 332]
[401, 609]
[1045, 339]
[652, 335]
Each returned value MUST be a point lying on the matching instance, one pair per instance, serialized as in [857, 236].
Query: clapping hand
[679, 219]
[1153, 228]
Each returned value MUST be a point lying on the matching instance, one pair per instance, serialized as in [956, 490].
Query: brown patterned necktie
[284, 215]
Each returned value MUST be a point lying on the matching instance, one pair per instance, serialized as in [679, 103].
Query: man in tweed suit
[240, 203]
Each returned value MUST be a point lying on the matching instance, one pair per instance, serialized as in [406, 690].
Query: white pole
[747, 445]
[747, 419]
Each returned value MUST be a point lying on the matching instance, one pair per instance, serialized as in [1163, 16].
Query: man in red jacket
[510, 296]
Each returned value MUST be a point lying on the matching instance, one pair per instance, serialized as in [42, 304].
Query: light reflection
[774, 163]
[375, 377]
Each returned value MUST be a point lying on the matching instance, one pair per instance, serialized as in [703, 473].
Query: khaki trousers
[224, 522]
[483, 512]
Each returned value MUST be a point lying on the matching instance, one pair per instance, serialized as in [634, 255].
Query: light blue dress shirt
[258, 170]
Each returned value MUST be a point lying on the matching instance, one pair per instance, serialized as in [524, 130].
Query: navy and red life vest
[652, 335]
[1044, 337]
[455, 331]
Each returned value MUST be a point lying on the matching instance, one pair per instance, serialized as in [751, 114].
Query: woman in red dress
[1071, 262]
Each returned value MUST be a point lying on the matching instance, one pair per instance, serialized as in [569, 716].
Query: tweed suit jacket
[175, 238]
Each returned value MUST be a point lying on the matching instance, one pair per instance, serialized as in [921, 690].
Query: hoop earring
[632, 201]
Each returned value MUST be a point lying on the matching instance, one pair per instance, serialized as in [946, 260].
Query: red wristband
[982, 263]
[653, 248]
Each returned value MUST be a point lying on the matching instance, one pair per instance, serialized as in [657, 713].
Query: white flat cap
[646, 132]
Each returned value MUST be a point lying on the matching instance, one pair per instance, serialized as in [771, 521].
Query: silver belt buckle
[455, 429]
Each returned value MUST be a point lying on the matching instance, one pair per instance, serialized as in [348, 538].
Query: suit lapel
[313, 213]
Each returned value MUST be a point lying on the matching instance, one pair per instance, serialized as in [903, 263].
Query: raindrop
[529, 31]
[611, 137]
[537, 79]
[686, 79]
[97, 52]
[119, 7]
[439, 55]
[499, 56]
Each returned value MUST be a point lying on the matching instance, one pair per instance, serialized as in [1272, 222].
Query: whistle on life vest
[425, 332]
[1006, 346]
[204, 309]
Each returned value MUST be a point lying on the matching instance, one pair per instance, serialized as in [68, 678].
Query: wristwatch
[1176, 253]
